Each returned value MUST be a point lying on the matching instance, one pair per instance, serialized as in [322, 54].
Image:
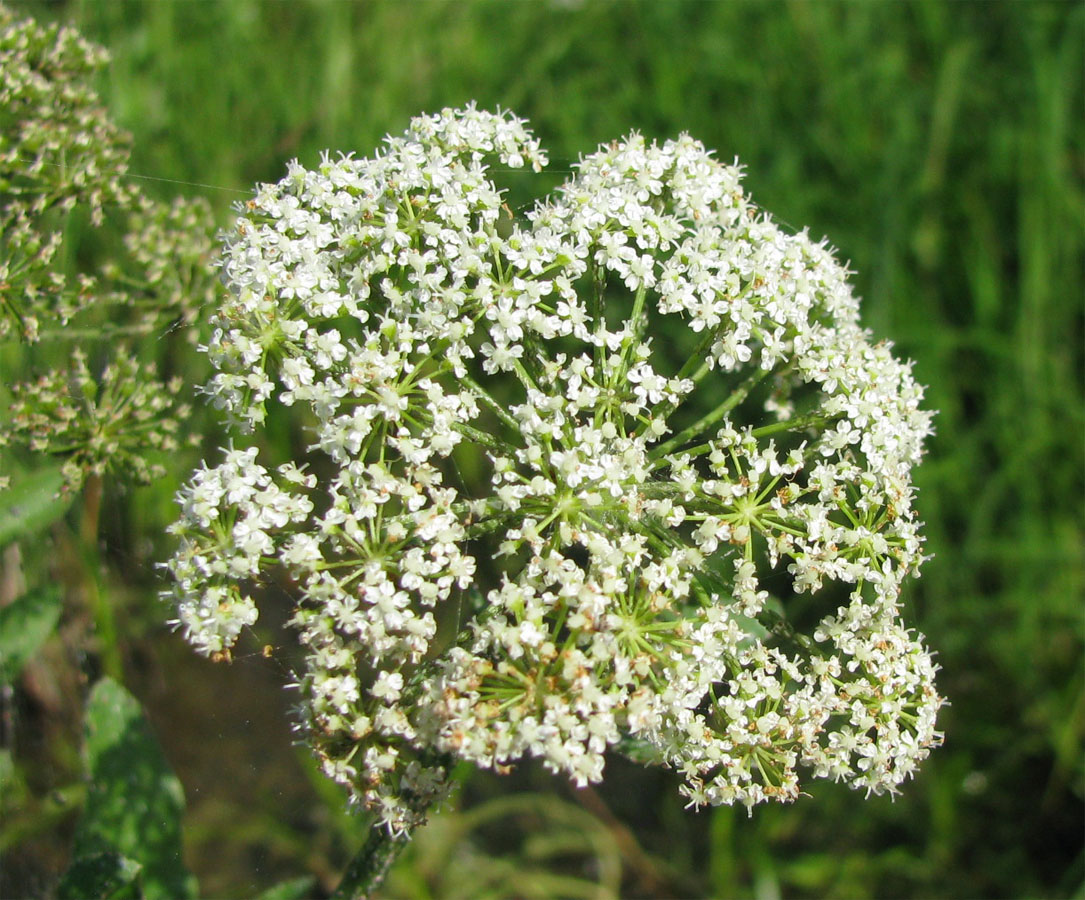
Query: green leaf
[24, 626]
[295, 889]
[33, 502]
[101, 875]
[134, 801]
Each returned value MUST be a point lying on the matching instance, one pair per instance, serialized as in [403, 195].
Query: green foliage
[24, 624]
[105, 875]
[131, 823]
[32, 503]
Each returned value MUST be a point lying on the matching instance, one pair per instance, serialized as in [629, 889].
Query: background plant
[100, 289]
[940, 145]
[63, 179]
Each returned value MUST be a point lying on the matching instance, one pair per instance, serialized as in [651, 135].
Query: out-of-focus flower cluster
[87, 261]
[524, 528]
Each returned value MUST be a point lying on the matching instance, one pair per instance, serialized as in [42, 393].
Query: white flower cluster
[531, 529]
[89, 297]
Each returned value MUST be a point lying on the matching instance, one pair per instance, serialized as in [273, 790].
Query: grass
[941, 147]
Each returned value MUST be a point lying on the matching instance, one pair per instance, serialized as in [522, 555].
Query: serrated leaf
[33, 502]
[107, 875]
[24, 626]
[134, 801]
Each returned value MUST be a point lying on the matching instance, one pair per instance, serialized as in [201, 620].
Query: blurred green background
[941, 147]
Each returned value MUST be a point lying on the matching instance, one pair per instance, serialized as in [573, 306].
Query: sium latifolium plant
[92, 270]
[526, 527]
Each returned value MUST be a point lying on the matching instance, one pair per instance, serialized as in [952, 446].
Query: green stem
[369, 867]
[798, 424]
[481, 437]
[709, 419]
[105, 623]
[639, 321]
[98, 332]
[92, 509]
[525, 377]
[694, 368]
[496, 407]
[596, 311]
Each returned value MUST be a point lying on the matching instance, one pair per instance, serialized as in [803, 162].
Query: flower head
[536, 530]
